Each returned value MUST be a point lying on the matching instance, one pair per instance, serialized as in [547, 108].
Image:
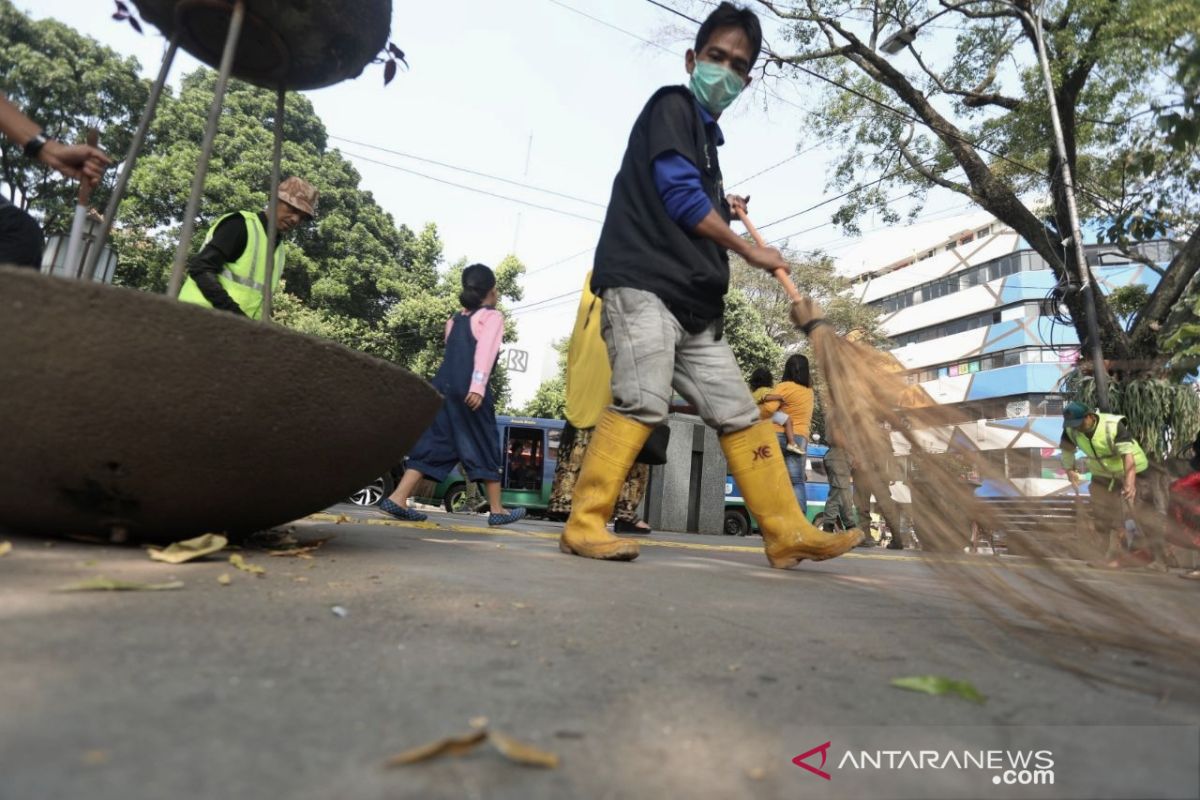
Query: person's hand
[805, 310]
[474, 401]
[80, 161]
[1073, 477]
[768, 258]
[737, 204]
[1129, 492]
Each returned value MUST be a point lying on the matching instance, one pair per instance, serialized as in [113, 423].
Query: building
[965, 302]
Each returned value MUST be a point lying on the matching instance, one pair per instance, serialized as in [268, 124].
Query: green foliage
[814, 275]
[747, 335]
[1163, 416]
[67, 83]
[1126, 301]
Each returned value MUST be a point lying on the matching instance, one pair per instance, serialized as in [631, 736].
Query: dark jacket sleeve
[227, 245]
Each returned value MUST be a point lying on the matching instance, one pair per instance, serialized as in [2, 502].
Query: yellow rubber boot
[610, 453]
[756, 463]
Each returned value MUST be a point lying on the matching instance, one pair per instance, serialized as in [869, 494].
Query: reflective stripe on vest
[1101, 448]
[243, 278]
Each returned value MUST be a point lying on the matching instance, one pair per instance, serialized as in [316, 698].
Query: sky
[541, 92]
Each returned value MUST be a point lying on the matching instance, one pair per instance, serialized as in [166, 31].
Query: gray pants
[650, 352]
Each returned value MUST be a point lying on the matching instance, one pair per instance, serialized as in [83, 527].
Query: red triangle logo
[824, 751]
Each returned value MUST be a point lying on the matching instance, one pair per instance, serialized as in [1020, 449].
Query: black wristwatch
[34, 146]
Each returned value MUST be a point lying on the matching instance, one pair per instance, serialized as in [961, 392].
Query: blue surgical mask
[715, 86]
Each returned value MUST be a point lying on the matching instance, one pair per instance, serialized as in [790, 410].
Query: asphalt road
[695, 671]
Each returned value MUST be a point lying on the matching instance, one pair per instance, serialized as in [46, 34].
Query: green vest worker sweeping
[230, 270]
[1118, 465]
[662, 267]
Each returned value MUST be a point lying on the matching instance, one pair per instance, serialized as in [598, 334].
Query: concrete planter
[130, 411]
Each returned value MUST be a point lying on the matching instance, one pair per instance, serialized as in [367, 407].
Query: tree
[980, 111]
[353, 275]
[67, 83]
[814, 275]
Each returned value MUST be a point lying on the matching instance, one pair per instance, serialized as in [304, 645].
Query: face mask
[715, 86]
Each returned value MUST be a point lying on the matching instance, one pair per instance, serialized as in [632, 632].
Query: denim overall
[459, 434]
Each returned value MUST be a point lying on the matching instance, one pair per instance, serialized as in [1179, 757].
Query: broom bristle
[1042, 598]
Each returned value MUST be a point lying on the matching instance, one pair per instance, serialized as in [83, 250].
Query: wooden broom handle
[85, 189]
[784, 279]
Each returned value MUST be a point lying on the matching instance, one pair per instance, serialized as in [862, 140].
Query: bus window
[524, 458]
[816, 470]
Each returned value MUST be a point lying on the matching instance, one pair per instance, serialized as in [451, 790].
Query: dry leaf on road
[450, 746]
[239, 562]
[5, 548]
[224, 579]
[523, 753]
[189, 549]
[303, 549]
[510, 748]
[102, 584]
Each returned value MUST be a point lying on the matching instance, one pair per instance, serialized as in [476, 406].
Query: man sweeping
[662, 268]
[229, 271]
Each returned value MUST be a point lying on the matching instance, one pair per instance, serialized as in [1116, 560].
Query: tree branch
[1180, 271]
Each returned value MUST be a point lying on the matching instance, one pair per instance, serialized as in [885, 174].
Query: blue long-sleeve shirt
[678, 180]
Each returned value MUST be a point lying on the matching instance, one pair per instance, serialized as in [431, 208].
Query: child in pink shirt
[464, 429]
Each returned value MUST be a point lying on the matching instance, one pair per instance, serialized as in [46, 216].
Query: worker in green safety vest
[1120, 487]
[231, 268]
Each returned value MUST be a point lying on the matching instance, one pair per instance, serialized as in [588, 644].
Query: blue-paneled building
[967, 308]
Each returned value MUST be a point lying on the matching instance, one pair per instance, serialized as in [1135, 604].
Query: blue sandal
[506, 519]
[400, 512]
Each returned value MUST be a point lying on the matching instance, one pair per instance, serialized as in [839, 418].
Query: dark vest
[643, 248]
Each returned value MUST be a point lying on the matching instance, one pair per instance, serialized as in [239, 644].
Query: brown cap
[299, 194]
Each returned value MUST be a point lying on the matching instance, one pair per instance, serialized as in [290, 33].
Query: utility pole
[1088, 285]
[525, 177]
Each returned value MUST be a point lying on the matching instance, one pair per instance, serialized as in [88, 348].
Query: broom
[1053, 604]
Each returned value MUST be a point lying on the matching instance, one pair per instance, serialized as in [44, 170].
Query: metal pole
[1089, 286]
[135, 149]
[273, 207]
[210, 133]
[75, 240]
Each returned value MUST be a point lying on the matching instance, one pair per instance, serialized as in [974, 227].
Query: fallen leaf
[94, 758]
[937, 685]
[300, 579]
[478, 722]
[239, 562]
[756, 773]
[189, 549]
[523, 753]
[5, 548]
[450, 746]
[302, 549]
[519, 605]
[102, 584]
[224, 579]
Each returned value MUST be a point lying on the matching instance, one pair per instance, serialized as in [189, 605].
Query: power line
[560, 261]
[473, 188]
[469, 171]
[777, 164]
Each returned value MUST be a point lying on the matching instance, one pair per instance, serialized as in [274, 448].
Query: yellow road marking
[712, 548]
